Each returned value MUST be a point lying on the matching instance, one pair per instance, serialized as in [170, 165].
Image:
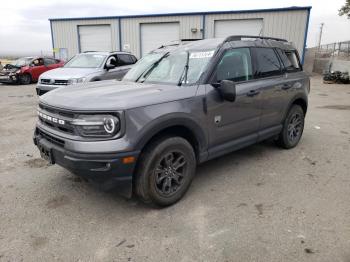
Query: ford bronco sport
[146, 134]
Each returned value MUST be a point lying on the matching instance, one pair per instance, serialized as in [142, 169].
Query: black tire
[25, 79]
[293, 128]
[166, 159]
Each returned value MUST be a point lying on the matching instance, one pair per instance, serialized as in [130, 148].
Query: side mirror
[227, 89]
[110, 66]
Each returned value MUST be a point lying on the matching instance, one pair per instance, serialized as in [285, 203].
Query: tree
[345, 9]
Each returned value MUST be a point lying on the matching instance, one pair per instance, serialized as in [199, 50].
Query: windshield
[22, 61]
[141, 66]
[172, 69]
[86, 61]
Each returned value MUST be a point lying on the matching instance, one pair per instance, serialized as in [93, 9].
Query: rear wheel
[25, 79]
[293, 128]
[165, 171]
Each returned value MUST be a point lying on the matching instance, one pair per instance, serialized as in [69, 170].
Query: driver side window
[235, 65]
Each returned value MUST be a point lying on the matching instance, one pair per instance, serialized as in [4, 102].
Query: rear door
[269, 74]
[233, 124]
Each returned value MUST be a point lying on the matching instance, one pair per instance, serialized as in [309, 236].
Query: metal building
[140, 34]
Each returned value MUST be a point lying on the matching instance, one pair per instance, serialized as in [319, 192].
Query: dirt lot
[258, 204]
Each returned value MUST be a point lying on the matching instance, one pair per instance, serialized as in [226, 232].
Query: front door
[37, 68]
[233, 124]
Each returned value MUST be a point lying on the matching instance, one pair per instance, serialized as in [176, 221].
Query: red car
[27, 70]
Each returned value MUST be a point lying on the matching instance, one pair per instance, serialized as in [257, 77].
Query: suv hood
[63, 73]
[114, 95]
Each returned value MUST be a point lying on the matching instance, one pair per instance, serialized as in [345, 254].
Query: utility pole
[320, 36]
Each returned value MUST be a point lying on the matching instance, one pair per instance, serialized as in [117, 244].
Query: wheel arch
[300, 100]
[183, 127]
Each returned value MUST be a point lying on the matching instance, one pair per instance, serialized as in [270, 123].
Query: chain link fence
[339, 50]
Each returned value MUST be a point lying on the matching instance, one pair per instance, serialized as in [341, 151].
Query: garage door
[156, 34]
[95, 38]
[224, 28]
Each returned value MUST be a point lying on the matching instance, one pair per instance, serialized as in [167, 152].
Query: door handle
[253, 93]
[286, 86]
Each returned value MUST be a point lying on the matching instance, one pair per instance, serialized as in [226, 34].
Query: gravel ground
[258, 204]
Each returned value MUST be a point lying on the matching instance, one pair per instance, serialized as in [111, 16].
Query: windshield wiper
[150, 69]
[183, 77]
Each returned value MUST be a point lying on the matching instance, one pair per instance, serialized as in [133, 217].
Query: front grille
[50, 138]
[57, 119]
[45, 81]
[61, 82]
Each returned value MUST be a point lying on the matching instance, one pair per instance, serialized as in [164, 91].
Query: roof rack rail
[115, 51]
[239, 37]
[89, 51]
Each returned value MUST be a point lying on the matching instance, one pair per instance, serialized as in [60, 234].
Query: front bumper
[106, 170]
[42, 89]
[8, 79]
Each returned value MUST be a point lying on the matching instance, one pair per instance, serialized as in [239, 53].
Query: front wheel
[293, 128]
[25, 79]
[165, 171]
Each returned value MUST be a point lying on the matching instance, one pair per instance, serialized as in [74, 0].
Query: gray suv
[87, 67]
[174, 110]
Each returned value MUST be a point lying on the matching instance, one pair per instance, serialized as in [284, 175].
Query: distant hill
[14, 55]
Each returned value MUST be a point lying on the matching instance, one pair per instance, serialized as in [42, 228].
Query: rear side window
[133, 58]
[125, 59]
[266, 62]
[49, 61]
[235, 65]
[290, 60]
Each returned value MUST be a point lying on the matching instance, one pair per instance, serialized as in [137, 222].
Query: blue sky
[24, 24]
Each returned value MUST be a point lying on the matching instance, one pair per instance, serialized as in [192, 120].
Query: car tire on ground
[25, 79]
[165, 171]
[293, 128]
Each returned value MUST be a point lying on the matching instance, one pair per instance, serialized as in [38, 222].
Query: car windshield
[171, 68]
[22, 61]
[86, 61]
[141, 66]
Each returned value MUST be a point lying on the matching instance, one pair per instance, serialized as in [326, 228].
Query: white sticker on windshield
[202, 54]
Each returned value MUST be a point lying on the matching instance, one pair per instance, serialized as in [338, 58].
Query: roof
[284, 9]
[105, 52]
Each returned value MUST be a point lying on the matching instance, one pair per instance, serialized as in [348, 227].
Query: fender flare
[292, 101]
[173, 120]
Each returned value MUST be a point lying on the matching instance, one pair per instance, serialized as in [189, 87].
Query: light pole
[320, 36]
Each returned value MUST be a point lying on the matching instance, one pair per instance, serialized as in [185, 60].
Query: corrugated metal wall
[130, 28]
[290, 24]
[65, 33]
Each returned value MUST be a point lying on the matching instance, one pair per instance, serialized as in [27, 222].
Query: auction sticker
[202, 54]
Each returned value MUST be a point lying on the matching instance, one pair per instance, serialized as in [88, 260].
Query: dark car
[146, 134]
[27, 70]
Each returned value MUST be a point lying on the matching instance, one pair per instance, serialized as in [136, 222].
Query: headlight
[73, 81]
[97, 125]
